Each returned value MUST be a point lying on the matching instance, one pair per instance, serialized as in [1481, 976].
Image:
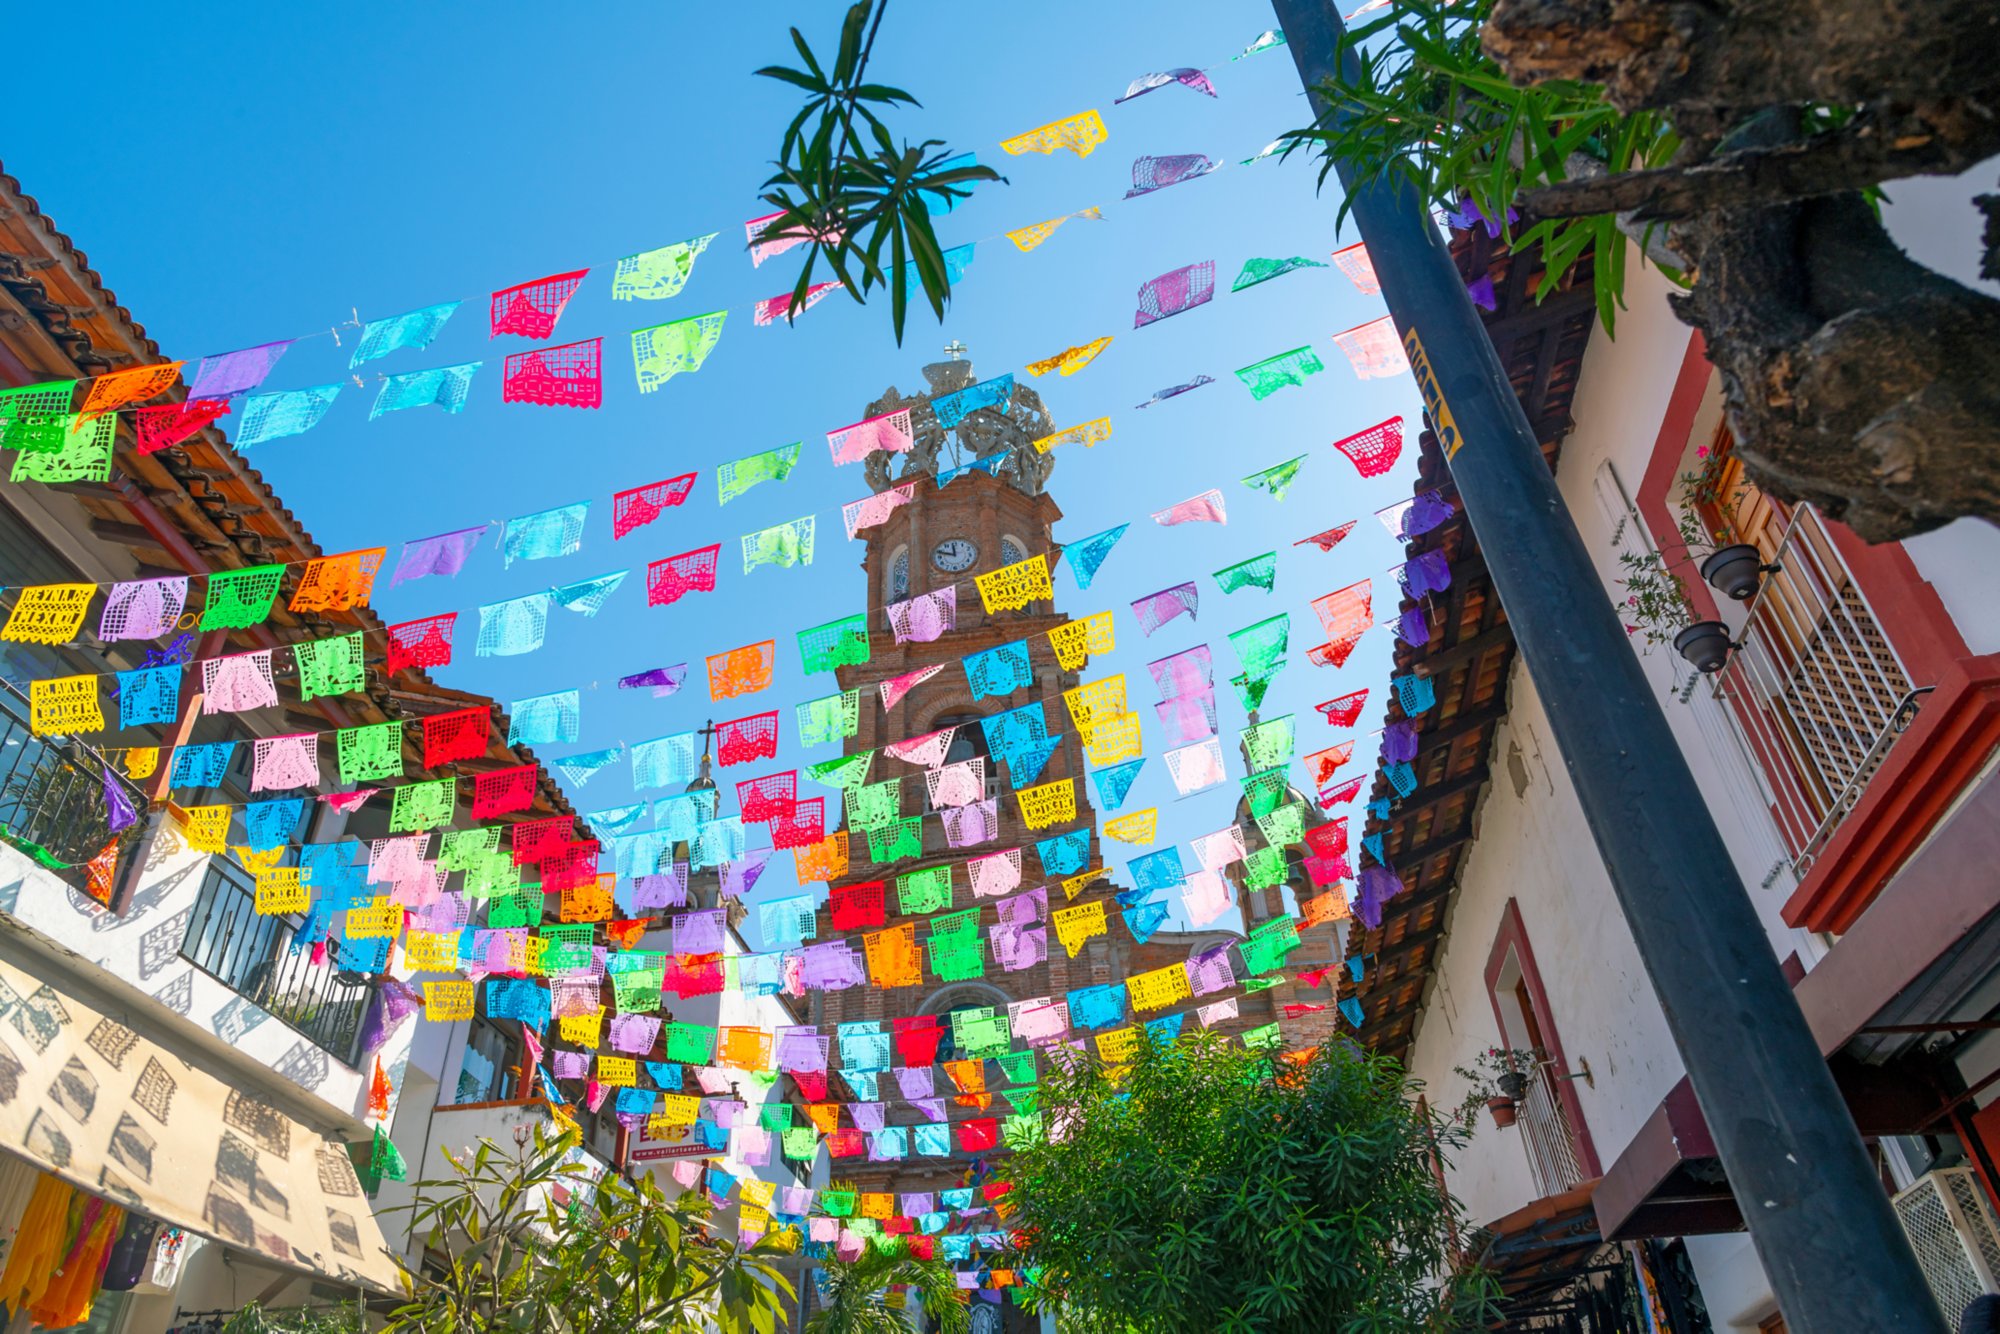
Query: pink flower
[1701, 451]
[1632, 601]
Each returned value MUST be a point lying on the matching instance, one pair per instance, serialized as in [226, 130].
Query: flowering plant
[1497, 1072]
[1656, 601]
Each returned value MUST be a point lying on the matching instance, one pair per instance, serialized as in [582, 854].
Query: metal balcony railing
[1547, 1134]
[1816, 688]
[253, 956]
[52, 791]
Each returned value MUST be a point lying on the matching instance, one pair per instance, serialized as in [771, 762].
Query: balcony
[1816, 690]
[52, 793]
[1547, 1135]
[256, 957]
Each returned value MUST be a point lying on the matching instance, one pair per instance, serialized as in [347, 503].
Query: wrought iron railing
[52, 791]
[1815, 686]
[253, 955]
[1547, 1134]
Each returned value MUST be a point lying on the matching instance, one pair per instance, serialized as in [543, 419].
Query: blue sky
[274, 172]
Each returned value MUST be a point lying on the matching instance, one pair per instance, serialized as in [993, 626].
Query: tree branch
[1936, 139]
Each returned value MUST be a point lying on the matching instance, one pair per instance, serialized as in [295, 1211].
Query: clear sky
[268, 171]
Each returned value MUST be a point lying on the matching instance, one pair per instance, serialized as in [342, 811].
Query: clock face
[954, 555]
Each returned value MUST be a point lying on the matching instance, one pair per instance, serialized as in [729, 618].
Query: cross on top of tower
[954, 350]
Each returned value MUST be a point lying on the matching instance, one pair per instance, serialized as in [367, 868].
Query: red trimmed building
[1846, 748]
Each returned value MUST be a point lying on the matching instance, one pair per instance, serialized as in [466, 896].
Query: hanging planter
[1734, 571]
[1513, 1085]
[1504, 1111]
[1705, 645]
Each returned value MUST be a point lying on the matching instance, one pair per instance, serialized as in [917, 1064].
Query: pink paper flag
[1374, 349]
[922, 619]
[774, 308]
[1204, 508]
[891, 432]
[896, 687]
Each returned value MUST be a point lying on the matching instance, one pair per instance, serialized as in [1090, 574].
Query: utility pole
[1816, 1211]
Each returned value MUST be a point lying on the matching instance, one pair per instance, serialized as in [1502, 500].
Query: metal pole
[1816, 1211]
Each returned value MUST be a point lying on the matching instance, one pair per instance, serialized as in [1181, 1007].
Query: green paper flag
[1263, 270]
[421, 806]
[924, 891]
[732, 479]
[690, 1044]
[1264, 791]
[665, 350]
[385, 1160]
[896, 840]
[801, 1143]
[1269, 745]
[1250, 689]
[874, 805]
[330, 666]
[829, 718]
[846, 773]
[1267, 377]
[1257, 572]
[1284, 826]
[1260, 646]
[462, 849]
[73, 451]
[1277, 479]
[1264, 868]
[238, 599]
[841, 643]
[654, 275]
[35, 418]
[370, 753]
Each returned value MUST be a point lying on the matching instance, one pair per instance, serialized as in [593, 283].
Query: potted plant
[1657, 606]
[1499, 1077]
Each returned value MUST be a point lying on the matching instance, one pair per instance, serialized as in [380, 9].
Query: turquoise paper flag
[1086, 554]
[1115, 782]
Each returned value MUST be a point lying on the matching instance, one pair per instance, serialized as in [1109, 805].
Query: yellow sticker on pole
[1427, 383]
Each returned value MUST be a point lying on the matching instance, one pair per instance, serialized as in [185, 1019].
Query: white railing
[1815, 687]
[1547, 1134]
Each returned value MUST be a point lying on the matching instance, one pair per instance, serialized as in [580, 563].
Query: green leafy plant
[258, 1319]
[506, 1253]
[1430, 107]
[1206, 1187]
[1657, 606]
[853, 1294]
[1497, 1072]
[846, 186]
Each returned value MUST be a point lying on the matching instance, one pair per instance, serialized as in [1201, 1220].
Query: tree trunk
[1855, 378]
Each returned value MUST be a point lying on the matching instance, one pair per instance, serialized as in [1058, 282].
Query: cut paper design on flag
[665, 761]
[1374, 349]
[1259, 647]
[833, 718]
[1425, 573]
[655, 275]
[1070, 360]
[1257, 572]
[1196, 767]
[972, 824]
[996, 395]
[1115, 782]
[532, 308]
[742, 740]
[670, 580]
[785, 544]
[568, 376]
[1087, 434]
[579, 769]
[122, 389]
[78, 452]
[663, 351]
[1157, 173]
[445, 387]
[1013, 587]
[761, 249]
[999, 671]
[35, 417]
[1265, 41]
[338, 583]
[1263, 270]
[841, 643]
[1048, 803]
[1329, 539]
[64, 706]
[424, 643]
[228, 374]
[742, 671]
[280, 763]
[642, 504]
[876, 509]
[958, 784]
[1375, 450]
[1346, 614]
[956, 261]
[1080, 134]
[990, 465]
[1321, 765]
[1086, 554]
[412, 329]
[165, 426]
[1204, 508]
[732, 479]
[1171, 293]
[1251, 686]
[149, 695]
[1413, 627]
[239, 599]
[1156, 609]
[1027, 238]
[662, 681]
[921, 620]
[1271, 744]
[53, 613]
[544, 534]
[1076, 925]
[1188, 717]
[512, 627]
[927, 750]
[1407, 519]
[1075, 641]
[539, 720]
[1175, 391]
[1183, 673]
[1267, 377]
[1138, 827]
[238, 682]
[444, 554]
[287, 412]
[782, 306]
[890, 432]
[1186, 77]
[1276, 479]
[1344, 711]
[1353, 261]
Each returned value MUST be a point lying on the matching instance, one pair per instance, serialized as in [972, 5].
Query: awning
[1926, 940]
[1542, 1249]
[87, 1099]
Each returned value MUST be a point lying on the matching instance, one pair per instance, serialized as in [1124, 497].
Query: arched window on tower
[967, 742]
[1011, 551]
[899, 575]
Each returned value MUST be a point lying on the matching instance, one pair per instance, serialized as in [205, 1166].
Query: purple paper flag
[1182, 673]
[230, 373]
[1378, 885]
[1170, 294]
[664, 680]
[444, 554]
[1414, 628]
[118, 813]
[1176, 390]
[739, 877]
[1157, 173]
[1399, 742]
[1186, 77]
[1156, 609]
